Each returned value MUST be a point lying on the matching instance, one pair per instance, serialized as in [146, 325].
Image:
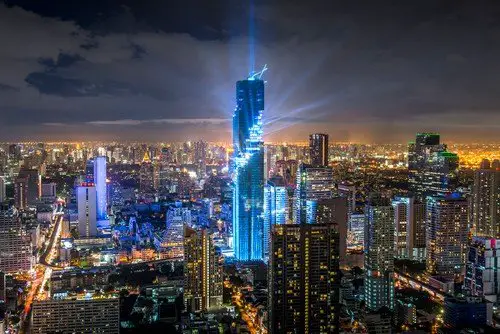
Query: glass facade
[248, 170]
[275, 209]
[100, 185]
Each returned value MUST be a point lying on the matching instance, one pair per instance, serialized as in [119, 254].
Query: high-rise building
[173, 237]
[482, 278]
[203, 277]
[3, 195]
[334, 211]
[409, 222]
[86, 197]
[149, 177]
[49, 191]
[433, 171]
[89, 171]
[248, 170]
[486, 201]
[76, 315]
[446, 234]
[101, 187]
[16, 252]
[275, 207]
[379, 253]
[313, 183]
[304, 281]
[318, 149]
[27, 188]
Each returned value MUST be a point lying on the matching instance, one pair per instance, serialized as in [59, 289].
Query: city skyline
[108, 74]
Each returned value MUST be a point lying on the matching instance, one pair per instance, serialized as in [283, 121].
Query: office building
[203, 276]
[486, 201]
[356, 231]
[16, 251]
[276, 207]
[313, 183]
[89, 171]
[334, 211]
[86, 197]
[318, 149]
[379, 253]
[76, 315]
[433, 171]
[248, 170]
[446, 235]
[466, 312]
[100, 183]
[409, 222]
[149, 177]
[482, 277]
[173, 237]
[49, 191]
[304, 280]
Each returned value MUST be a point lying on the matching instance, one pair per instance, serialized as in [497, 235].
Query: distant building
[485, 200]
[100, 183]
[318, 149]
[433, 171]
[313, 183]
[16, 251]
[446, 235]
[27, 188]
[276, 207]
[481, 275]
[379, 253]
[86, 197]
[304, 280]
[90, 315]
[49, 191]
[203, 276]
[3, 195]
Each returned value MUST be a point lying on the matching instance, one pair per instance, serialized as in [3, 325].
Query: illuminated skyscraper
[16, 253]
[486, 200]
[100, 186]
[89, 171]
[86, 197]
[433, 171]
[2, 189]
[446, 234]
[318, 149]
[248, 170]
[304, 279]
[203, 277]
[313, 183]
[379, 254]
[275, 207]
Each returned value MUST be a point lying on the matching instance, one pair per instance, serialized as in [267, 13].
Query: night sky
[159, 70]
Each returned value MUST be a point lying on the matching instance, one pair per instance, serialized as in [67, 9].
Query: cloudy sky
[163, 70]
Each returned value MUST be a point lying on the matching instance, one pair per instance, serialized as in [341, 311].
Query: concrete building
[485, 200]
[16, 251]
[86, 197]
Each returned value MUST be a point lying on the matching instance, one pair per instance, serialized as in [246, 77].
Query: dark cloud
[359, 70]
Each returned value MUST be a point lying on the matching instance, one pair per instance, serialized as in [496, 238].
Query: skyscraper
[248, 170]
[16, 253]
[486, 200]
[86, 196]
[433, 171]
[203, 277]
[100, 186]
[304, 280]
[313, 183]
[275, 207]
[27, 188]
[318, 149]
[2, 189]
[379, 253]
[409, 222]
[482, 278]
[334, 211]
[446, 234]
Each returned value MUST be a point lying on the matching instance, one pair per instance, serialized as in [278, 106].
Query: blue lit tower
[248, 173]
[100, 185]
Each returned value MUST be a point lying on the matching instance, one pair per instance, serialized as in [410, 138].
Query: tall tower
[379, 254]
[446, 235]
[486, 200]
[100, 186]
[318, 149]
[87, 211]
[248, 173]
[304, 279]
[202, 271]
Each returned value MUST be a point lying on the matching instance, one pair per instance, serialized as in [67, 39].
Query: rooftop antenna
[258, 75]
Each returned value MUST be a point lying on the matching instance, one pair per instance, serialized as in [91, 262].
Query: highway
[418, 284]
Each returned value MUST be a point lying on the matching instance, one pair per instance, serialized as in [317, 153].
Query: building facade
[248, 170]
[485, 200]
[304, 281]
[276, 207]
[16, 250]
[318, 149]
[86, 197]
[101, 187]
